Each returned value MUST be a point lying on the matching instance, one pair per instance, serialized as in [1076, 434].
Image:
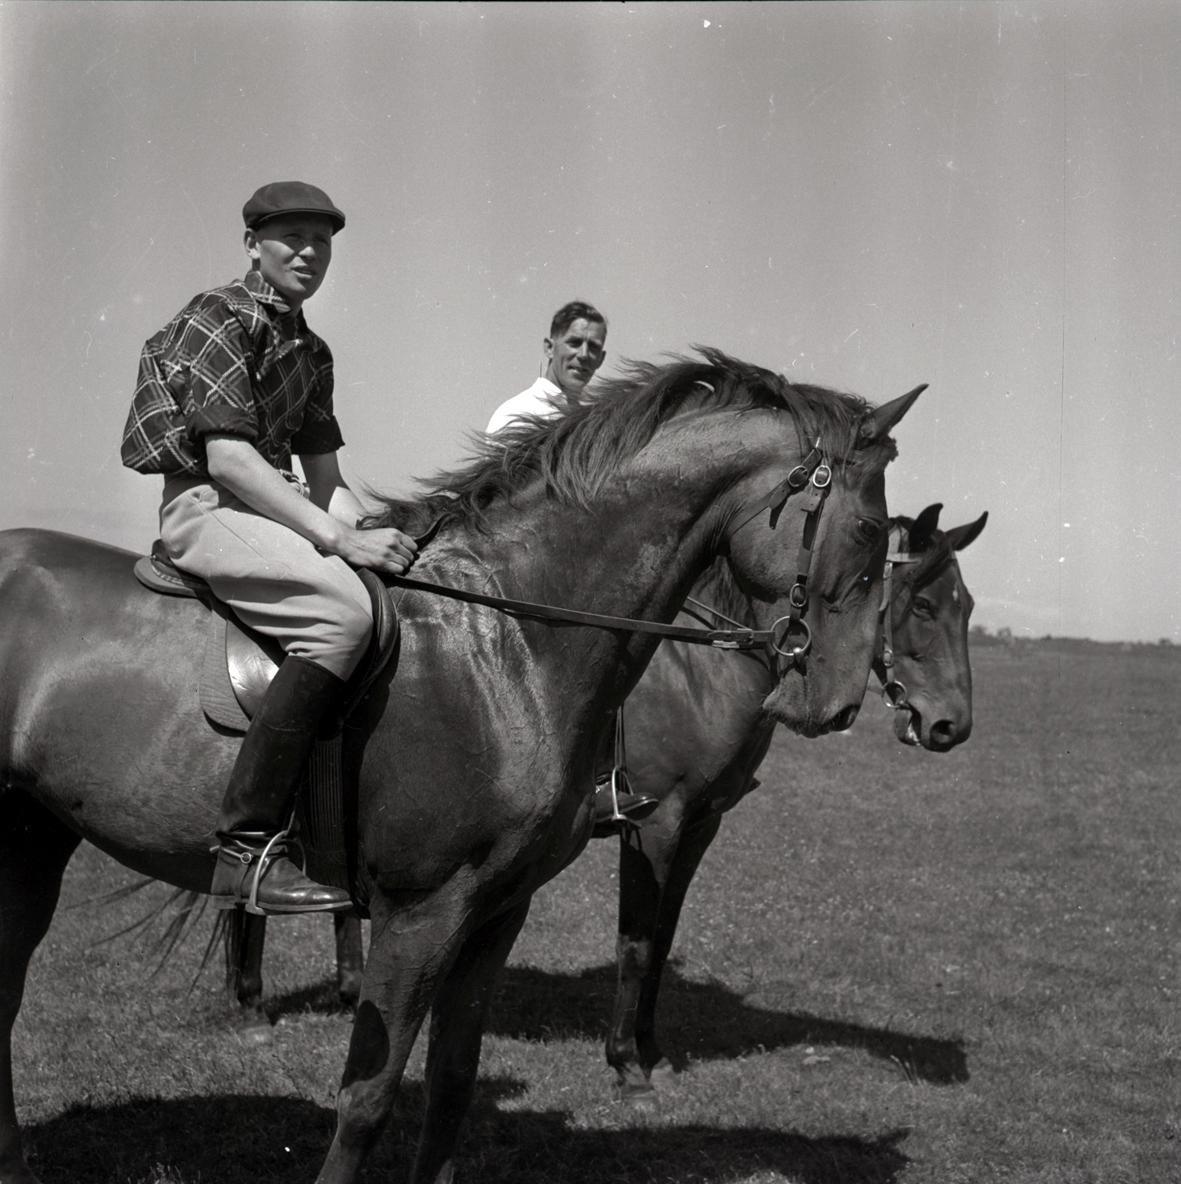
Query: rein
[812, 473]
[893, 691]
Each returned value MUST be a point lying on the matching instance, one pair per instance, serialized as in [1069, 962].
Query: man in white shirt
[574, 350]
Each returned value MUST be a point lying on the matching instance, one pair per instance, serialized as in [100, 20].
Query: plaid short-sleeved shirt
[233, 360]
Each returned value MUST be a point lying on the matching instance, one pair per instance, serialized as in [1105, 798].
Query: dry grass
[893, 967]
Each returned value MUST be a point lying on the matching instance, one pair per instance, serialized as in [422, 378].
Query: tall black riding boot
[253, 868]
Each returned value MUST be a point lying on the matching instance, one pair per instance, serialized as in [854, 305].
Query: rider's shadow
[703, 1021]
[260, 1140]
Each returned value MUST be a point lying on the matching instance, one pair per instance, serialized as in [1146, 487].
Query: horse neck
[718, 589]
[635, 551]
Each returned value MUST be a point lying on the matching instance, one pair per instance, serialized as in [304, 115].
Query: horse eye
[869, 530]
[923, 606]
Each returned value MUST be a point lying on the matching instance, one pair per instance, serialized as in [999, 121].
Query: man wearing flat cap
[227, 392]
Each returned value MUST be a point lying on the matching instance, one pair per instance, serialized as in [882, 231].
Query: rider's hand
[381, 549]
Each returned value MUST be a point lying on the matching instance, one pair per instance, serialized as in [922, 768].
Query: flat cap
[290, 197]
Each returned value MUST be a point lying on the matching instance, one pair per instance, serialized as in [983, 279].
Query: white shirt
[535, 401]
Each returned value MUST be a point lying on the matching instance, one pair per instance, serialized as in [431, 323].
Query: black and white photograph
[589, 592]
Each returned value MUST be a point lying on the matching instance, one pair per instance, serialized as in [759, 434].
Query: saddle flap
[251, 661]
[240, 663]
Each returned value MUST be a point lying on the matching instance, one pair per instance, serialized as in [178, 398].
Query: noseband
[893, 691]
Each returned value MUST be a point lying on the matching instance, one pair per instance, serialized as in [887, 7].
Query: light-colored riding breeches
[313, 605]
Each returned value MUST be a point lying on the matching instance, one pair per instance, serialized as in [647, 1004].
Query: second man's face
[293, 253]
[575, 354]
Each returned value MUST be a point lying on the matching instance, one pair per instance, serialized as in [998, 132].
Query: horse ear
[882, 420]
[961, 536]
[924, 527]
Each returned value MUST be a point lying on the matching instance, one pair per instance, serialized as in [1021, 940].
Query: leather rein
[789, 636]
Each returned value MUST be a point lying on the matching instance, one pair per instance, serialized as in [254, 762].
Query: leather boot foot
[255, 872]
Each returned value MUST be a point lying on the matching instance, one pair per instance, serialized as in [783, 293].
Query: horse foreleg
[643, 854]
[693, 845]
[457, 1030]
[409, 949]
[350, 958]
[34, 850]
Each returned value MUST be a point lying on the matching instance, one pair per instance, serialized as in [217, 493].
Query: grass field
[893, 967]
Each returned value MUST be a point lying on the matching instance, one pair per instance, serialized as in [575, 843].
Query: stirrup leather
[619, 770]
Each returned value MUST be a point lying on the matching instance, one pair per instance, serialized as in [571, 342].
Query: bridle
[813, 475]
[789, 637]
[893, 691]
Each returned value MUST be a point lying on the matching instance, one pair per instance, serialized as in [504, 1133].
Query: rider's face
[575, 354]
[293, 252]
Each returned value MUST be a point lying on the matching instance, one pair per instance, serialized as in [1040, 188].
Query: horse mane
[577, 451]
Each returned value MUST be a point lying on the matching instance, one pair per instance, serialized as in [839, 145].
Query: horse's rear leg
[246, 935]
[457, 1030]
[34, 850]
[350, 958]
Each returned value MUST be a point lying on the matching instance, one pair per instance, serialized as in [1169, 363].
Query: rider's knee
[354, 627]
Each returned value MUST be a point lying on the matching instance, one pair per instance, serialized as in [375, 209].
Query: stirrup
[257, 862]
[261, 863]
[617, 815]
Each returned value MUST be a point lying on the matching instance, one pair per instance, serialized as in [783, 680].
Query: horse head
[815, 576]
[929, 614]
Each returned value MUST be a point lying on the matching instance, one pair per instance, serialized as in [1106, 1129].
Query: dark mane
[576, 451]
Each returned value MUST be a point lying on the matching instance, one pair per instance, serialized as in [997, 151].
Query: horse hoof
[663, 1074]
[632, 1086]
[255, 1029]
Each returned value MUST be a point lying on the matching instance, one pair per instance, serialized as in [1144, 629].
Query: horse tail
[186, 908]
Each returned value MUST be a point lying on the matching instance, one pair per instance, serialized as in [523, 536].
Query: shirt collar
[264, 293]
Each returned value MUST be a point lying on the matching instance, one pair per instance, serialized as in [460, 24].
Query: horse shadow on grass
[704, 1021]
[695, 1021]
[260, 1140]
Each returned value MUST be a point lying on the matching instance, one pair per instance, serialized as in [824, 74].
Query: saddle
[238, 666]
[240, 662]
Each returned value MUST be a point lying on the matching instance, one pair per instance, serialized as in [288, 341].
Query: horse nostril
[942, 734]
[843, 720]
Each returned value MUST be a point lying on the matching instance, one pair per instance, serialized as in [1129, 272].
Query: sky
[980, 196]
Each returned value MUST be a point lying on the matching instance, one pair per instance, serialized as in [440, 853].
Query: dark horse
[696, 735]
[474, 762]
